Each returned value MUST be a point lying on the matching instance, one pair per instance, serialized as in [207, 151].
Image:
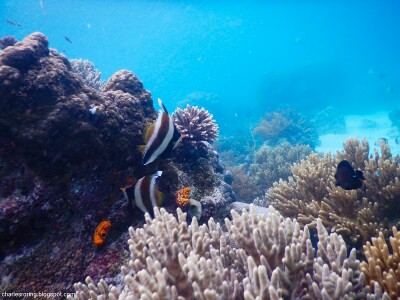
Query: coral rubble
[357, 214]
[196, 124]
[260, 257]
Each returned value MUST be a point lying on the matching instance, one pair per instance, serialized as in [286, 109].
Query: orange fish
[100, 233]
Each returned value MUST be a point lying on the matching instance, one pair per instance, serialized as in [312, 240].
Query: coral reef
[383, 267]
[260, 257]
[357, 215]
[196, 124]
[243, 186]
[67, 151]
[88, 73]
[274, 163]
[286, 125]
[7, 41]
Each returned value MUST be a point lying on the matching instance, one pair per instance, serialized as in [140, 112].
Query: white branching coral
[197, 124]
[259, 257]
[88, 73]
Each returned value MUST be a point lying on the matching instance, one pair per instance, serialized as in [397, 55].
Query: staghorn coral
[260, 257]
[274, 163]
[88, 73]
[357, 214]
[7, 41]
[197, 124]
[286, 125]
[383, 266]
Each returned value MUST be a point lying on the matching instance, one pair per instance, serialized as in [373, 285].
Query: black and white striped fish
[147, 195]
[160, 137]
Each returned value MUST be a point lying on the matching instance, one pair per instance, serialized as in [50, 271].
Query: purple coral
[197, 124]
[7, 41]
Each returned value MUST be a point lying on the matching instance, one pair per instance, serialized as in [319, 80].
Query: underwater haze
[236, 58]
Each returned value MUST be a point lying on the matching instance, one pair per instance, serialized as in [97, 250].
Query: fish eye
[103, 235]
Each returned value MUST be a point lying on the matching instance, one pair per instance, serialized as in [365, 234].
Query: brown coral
[383, 266]
[196, 124]
[357, 214]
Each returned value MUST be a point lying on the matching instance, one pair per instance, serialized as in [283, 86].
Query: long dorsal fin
[148, 132]
[162, 106]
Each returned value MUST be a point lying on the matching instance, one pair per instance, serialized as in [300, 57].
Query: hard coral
[383, 267]
[196, 124]
[53, 124]
[274, 163]
[7, 41]
[286, 125]
[88, 73]
[356, 214]
[260, 257]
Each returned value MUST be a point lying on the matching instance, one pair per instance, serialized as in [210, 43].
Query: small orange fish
[100, 233]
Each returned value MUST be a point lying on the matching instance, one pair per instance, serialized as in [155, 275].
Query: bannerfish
[101, 232]
[347, 178]
[160, 137]
[147, 195]
[68, 39]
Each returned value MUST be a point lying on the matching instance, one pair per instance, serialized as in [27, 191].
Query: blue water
[236, 58]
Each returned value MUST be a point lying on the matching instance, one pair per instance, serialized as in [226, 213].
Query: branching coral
[357, 214]
[260, 257]
[197, 124]
[88, 73]
[286, 125]
[274, 163]
[383, 267]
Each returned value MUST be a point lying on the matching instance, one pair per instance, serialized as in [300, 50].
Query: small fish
[147, 195]
[68, 39]
[381, 141]
[161, 137]
[101, 232]
[13, 23]
[195, 209]
[397, 140]
[347, 178]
